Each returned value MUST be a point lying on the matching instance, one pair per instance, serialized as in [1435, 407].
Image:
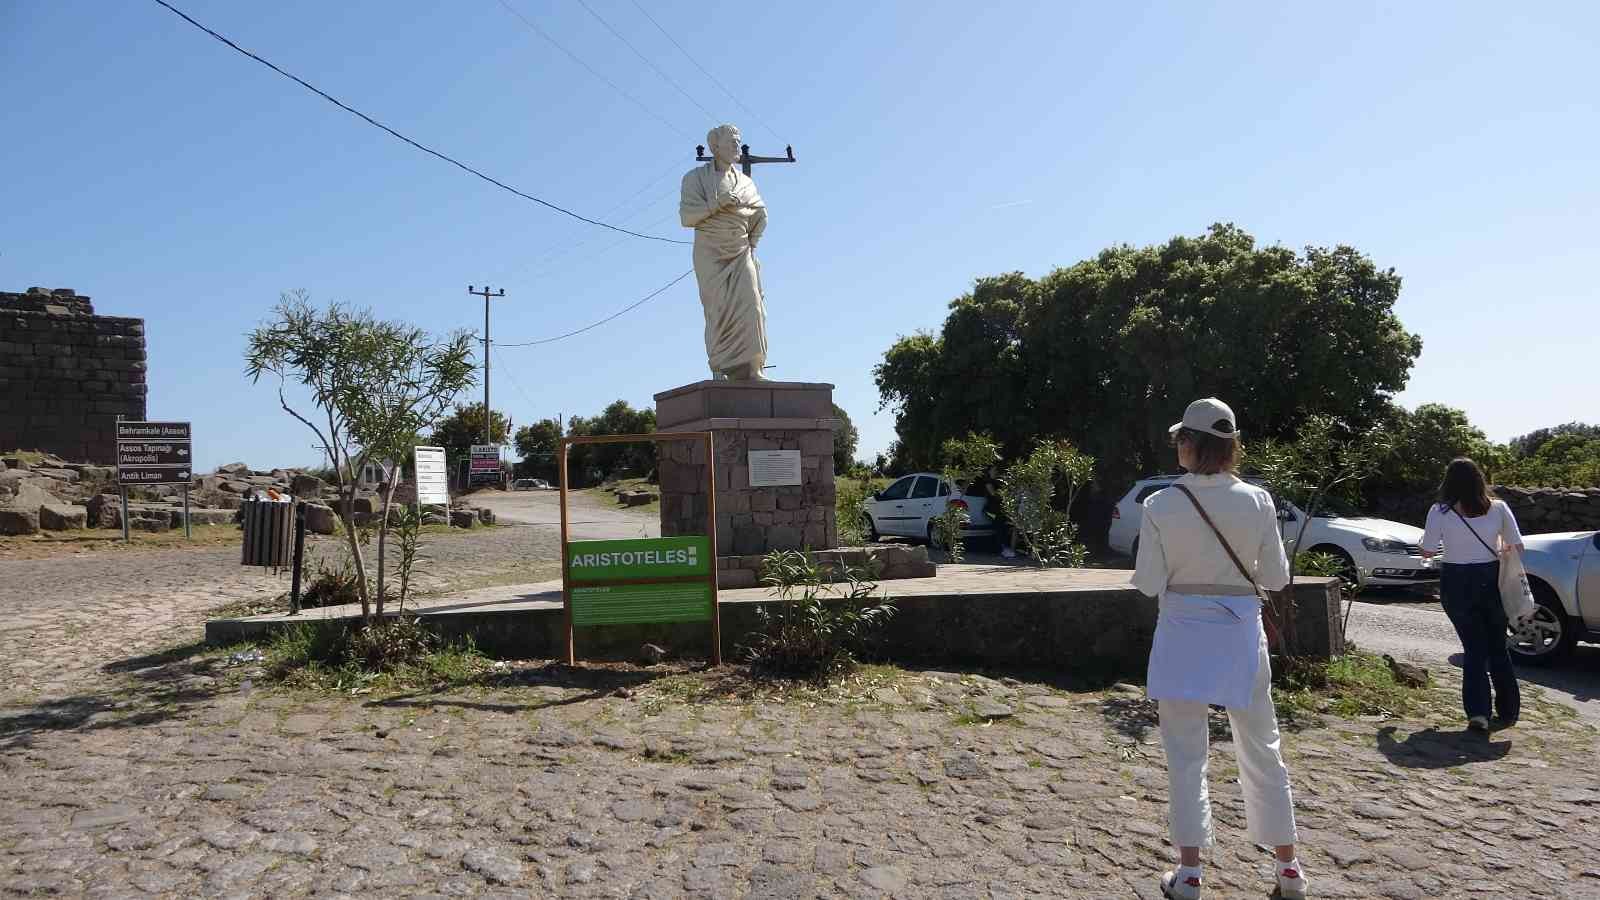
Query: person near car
[988, 487]
[1210, 647]
[1475, 529]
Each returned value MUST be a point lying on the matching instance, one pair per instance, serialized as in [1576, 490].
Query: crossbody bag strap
[1475, 533]
[1222, 540]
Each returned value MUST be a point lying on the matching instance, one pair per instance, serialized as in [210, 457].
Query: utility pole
[488, 413]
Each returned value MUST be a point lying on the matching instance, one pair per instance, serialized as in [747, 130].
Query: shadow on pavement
[1577, 675]
[595, 683]
[1435, 749]
[158, 687]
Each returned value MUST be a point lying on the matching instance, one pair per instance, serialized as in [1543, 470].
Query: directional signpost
[154, 453]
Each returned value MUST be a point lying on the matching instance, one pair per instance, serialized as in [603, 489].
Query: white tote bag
[1515, 594]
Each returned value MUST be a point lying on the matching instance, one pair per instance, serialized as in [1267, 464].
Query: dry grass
[605, 496]
[47, 544]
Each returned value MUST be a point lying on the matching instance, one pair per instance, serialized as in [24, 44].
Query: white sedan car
[908, 507]
[1564, 572]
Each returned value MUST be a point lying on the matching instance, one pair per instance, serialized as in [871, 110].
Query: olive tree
[375, 385]
[1326, 459]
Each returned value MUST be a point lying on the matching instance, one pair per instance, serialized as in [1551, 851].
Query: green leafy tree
[539, 438]
[1028, 497]
[1326, 459]
[1528, 444]
[375, 385]
[1107, 352]
[844, 442]
[1569, 459]
[1424, 441]
[536, 445]
[457, 432]
[605, 461]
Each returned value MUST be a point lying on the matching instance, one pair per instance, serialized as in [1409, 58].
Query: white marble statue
[728, 216]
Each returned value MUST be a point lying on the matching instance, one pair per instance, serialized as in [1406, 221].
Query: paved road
[1407, 629]
[589, 519]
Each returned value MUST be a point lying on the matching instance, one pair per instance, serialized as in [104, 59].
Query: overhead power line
[614, 316]
[646, 60]
[425, 149]
[592, 70]
[752, 113]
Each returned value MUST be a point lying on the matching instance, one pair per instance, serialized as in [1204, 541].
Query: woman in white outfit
[1207, 546]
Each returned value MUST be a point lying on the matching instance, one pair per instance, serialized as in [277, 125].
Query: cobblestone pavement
[61, 618]
[170, 778]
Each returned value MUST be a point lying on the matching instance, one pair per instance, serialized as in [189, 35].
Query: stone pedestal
[744, 416]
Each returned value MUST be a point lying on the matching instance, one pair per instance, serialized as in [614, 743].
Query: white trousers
[1268, 802]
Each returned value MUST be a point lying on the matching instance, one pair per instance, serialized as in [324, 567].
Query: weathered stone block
[19, 521]
[60, 517]
[320, 519]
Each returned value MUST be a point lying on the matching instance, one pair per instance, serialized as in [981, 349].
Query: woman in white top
[1475, 529]
[1209, 645]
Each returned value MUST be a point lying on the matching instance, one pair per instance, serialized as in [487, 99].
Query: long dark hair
[1465, 487]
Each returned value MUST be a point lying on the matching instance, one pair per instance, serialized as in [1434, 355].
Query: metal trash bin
[268, 532]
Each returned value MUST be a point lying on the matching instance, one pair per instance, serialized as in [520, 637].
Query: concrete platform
[1076, 619]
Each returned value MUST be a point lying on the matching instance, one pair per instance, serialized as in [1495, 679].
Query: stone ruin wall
[66, 373]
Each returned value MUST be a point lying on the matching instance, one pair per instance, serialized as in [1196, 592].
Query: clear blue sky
[170, 178]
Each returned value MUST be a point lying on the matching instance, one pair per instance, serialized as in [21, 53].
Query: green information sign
[672, 557]
[632, 604]
[616, 601]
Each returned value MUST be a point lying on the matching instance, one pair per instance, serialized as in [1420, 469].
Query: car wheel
[868, 528]
[934, 543]
[1552, 635]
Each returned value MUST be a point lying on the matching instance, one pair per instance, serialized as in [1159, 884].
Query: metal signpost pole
[566, 557]
[188, 533]
[123, 489]
[299, 555]
[711, 532]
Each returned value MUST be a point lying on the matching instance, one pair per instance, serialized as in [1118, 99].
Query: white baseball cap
[1211, 416]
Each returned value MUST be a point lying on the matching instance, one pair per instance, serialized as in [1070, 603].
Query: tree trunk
[347, 510]
[383, 536]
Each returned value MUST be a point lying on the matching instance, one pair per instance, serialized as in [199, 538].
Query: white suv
[1375, 552]
[908, 507]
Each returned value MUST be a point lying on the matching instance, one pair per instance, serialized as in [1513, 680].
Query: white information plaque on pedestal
[774, 468]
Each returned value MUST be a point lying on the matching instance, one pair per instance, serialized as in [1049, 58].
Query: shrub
[806, 633]
[1028, 498]
[947, 529]
[850, 506]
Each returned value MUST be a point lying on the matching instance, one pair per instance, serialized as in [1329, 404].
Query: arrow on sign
[184, 475]
[182, 453]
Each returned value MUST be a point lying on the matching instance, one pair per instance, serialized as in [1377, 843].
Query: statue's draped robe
[725, 265]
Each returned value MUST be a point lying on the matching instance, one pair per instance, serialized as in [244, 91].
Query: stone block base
[742, 417]
[888, 562]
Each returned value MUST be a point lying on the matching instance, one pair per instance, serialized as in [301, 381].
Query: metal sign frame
[711, 532]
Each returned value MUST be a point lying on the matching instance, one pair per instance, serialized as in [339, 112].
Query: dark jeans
[1471, 593]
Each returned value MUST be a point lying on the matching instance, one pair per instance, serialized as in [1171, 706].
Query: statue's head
[724, 141]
